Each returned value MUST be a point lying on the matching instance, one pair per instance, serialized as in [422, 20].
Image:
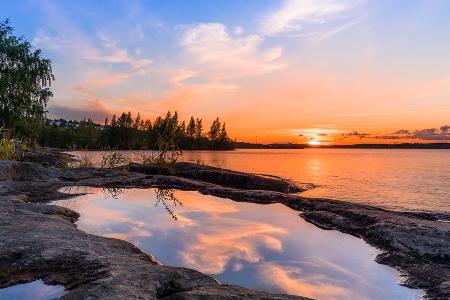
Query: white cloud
[334, 31]
[96, 58]
[294, 14]
[183, 74]
[223, 56]
[112, 53]
[141, 63]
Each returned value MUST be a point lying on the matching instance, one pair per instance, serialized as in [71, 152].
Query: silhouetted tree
[25, 79]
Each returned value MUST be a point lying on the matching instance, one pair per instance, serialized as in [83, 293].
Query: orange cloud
[215, 248]
[291, 280]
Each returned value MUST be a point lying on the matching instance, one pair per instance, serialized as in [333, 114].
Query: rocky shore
[40, 241]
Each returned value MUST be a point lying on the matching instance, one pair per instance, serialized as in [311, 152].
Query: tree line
[127, 132]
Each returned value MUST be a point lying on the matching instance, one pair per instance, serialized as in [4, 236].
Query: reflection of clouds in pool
[32, 290]
[215, 206]
[292, 281]
[219, 243]
[133, 233]
[266, 247]
[322, 262]
[102, 217]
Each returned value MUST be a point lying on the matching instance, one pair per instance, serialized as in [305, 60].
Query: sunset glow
[314, 143]
[358, 71]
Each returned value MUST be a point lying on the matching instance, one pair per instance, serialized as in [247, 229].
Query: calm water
[36, 290]
[393, 179]
[266, 247]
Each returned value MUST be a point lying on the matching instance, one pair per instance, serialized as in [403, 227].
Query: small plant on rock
[164, 160]
[85, 161]
[112, 160]
[7, 150]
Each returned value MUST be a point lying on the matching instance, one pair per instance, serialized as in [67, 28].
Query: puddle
[36, 290]
[264, 247]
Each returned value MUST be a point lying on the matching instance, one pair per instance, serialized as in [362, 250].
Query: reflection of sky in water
[267, 247]
[36, 290]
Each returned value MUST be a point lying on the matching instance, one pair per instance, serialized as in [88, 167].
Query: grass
[7, 150]
[112, 160]
[85, 161]
[200, 162]
[165, 159]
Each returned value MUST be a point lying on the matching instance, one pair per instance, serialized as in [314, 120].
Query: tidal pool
[36, 290]
[265, 247]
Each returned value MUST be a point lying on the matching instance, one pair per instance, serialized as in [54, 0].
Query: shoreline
[416, 244]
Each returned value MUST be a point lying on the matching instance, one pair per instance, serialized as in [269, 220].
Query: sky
[316, 71]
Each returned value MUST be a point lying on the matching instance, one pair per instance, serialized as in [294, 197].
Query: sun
[314, 143]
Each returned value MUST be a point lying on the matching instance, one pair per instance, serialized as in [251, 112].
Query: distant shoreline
[243, 145]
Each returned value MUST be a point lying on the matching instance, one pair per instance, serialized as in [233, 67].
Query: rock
[48, 157]
[225, 292]
[16, 170]
[226, 178]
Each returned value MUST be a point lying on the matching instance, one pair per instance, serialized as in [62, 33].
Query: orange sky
[279, 71]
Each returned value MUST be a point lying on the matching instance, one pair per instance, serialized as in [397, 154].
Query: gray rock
[226, 178]
[15, 170]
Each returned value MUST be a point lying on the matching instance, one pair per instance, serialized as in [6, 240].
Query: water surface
[400, 179]
[265, 247]
[36, 290]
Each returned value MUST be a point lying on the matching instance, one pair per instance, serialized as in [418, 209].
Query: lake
[398, 179]
[265, 247]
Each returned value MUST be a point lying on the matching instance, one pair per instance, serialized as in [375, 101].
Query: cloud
[112, 53]
[402, 131]
[292, 15]
[292, 281]
[93, 109]
[308, 134]
[222, 56]
[220, 245]
[388, 137]
[100, 59]
[183, 74]
[428, 134]
[328, 34]
[357, 134]
[432, 134]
